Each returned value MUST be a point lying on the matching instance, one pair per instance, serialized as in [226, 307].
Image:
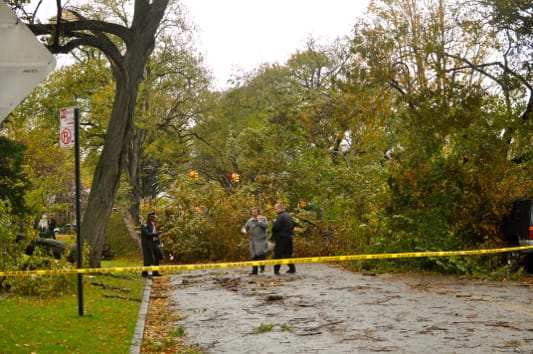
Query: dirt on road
[327, 309]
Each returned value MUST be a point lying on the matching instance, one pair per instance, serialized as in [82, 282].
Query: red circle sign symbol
[66, 136]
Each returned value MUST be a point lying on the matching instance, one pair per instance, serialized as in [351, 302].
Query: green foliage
[199, 223]
[119, 242]
[13, 258]
[453, 171]
[35, 124]
[403, 139]
[13, 182]
[42, 285]
[9, 248]
[264, 327]
[52, 325]
[453, 194]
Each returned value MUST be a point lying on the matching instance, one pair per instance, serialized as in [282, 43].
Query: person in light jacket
[256, 227]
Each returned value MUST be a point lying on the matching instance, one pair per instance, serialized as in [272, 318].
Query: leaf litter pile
[161, 335]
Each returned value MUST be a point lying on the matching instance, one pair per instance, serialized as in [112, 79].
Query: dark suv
[518, 226]
[518, 229]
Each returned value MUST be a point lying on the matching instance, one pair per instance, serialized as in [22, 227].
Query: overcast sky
[247, 33]
[243, 34]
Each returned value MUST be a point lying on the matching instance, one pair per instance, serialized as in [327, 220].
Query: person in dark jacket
[52, 226]
[150, 243]
[282, 232]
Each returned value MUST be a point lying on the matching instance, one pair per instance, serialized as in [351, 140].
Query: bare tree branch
[480, 68]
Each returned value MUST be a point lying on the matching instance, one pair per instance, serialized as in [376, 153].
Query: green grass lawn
[53, 325]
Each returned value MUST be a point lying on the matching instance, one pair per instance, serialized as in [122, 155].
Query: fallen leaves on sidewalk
[161, 335]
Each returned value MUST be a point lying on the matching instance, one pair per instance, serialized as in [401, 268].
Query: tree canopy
[411, 134]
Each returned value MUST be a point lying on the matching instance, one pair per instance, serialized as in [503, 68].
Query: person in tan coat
[256, 227]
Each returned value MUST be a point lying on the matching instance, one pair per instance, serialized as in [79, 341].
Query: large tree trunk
[133, 170]
[106, 179]
[133, 227]
[128, 75]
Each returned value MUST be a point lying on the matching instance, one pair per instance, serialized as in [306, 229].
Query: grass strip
[52, 325]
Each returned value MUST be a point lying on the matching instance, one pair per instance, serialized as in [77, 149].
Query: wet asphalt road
[326, 309]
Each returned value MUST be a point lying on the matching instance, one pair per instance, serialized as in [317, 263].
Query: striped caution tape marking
[325, 259]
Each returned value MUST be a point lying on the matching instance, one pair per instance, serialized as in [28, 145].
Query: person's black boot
[254, 270]
[276, 268]
[144, 274]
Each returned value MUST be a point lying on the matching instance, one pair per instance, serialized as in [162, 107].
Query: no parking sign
[66, 126]
[69, 121]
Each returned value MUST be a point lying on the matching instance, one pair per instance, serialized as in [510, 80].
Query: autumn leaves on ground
[160, 333]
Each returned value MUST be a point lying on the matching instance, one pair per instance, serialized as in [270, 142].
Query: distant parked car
[518, 229]
[518, 226]
[56, 248]
[68, 229]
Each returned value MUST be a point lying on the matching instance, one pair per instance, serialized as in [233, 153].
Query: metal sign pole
[79, 243]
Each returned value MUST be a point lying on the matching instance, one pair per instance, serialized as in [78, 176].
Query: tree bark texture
[128, 76]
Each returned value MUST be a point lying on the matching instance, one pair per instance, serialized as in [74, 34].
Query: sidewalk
[141, 318]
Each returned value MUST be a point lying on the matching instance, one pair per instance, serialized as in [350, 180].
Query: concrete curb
[141, 318]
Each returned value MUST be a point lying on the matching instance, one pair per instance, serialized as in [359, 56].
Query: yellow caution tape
[325, 259]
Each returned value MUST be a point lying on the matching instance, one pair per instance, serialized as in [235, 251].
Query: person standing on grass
[52, 226]
[256, 227]
[150, 243]
[282, 232]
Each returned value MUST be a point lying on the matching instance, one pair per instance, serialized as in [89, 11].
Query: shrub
[13, 258]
